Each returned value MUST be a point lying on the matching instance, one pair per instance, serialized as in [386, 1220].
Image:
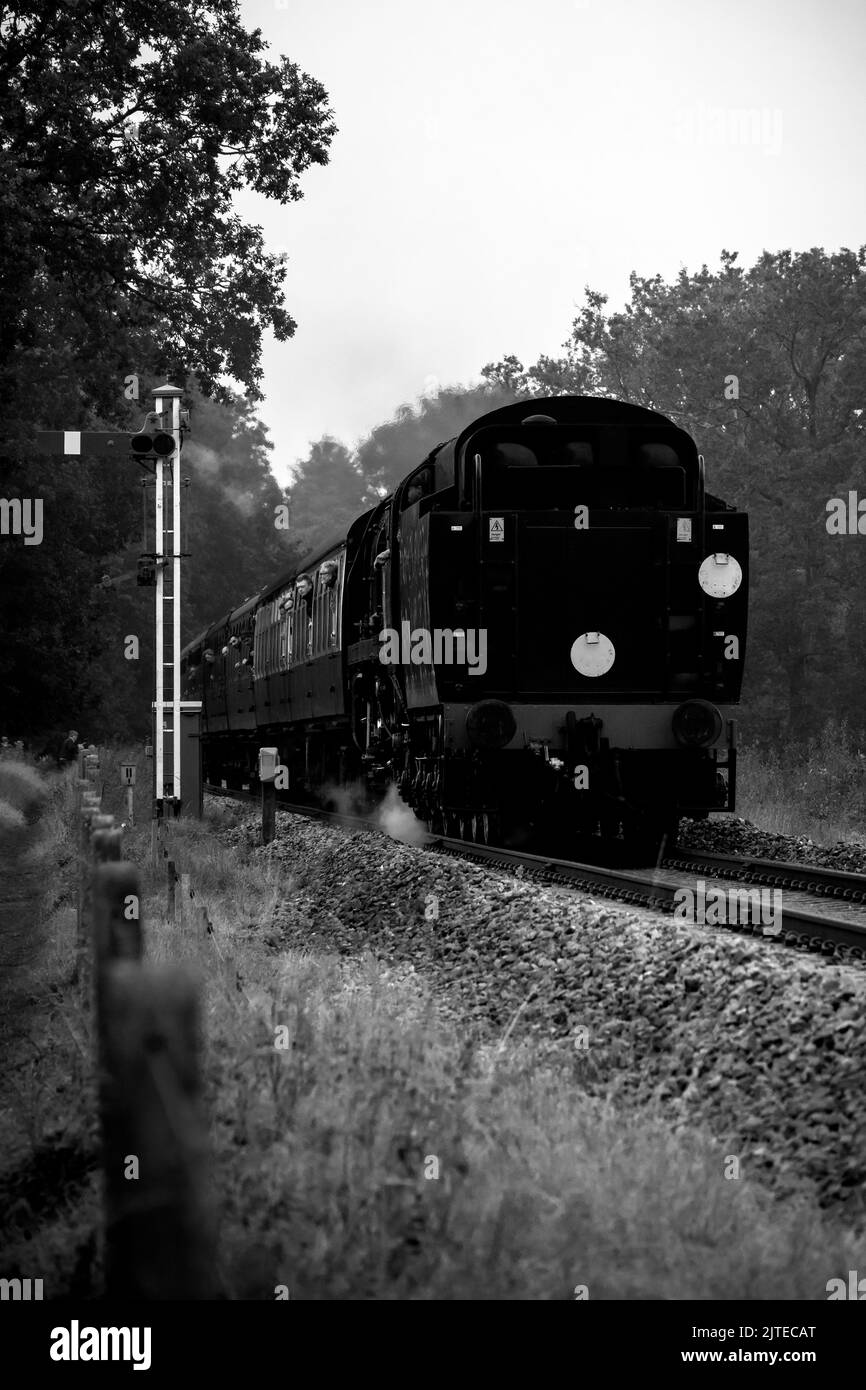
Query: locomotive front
[600, 595]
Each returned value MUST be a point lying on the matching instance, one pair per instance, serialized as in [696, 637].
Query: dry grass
[819, 792]
[383, 1153]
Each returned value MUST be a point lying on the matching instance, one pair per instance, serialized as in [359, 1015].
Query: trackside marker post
[268, 762]
[127, 779]
[171, 890]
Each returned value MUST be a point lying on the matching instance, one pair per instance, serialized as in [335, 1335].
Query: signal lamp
[696, 724]
[163, 444]
[160, 443]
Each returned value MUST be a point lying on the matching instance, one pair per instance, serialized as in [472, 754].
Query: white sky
[496, 156]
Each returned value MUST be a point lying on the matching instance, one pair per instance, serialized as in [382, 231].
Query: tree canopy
[125, 131]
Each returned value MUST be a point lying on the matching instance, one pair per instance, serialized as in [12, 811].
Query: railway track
[795, 923]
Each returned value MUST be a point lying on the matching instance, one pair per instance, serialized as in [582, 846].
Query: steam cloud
[398, 821]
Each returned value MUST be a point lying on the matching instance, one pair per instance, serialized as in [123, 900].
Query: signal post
[173, 718]
[176, 721]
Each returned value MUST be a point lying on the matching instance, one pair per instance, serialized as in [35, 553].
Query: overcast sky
[496, 156]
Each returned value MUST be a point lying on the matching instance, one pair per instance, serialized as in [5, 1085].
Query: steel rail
[816, 932]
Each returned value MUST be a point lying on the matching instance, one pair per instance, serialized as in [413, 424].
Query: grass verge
[819, 791]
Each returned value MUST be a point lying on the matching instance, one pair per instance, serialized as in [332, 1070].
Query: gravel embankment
[737, 836]
[761, 1044]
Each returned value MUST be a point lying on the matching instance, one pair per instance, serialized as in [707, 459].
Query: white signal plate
[720, 575]
[592, 654]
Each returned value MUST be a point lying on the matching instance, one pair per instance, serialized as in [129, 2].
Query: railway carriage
[542, 629]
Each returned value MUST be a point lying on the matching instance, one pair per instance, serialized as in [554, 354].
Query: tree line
[125, 131]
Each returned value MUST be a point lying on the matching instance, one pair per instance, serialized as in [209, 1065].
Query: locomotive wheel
[480, 828]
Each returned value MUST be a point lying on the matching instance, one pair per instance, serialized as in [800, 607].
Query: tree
[328, 492]
[50, 603]
[236, 542]
[125, 131]
[398, 445]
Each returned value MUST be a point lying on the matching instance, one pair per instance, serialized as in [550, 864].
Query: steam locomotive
[539, 633]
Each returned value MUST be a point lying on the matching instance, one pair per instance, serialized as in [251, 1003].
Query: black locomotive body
[542, 627]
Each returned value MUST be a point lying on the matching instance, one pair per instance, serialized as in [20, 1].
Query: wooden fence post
[269, 811]
[117, 930]
[106, 841]
[101, 841]
[86, 816]
[171, 890]
[159, 1241]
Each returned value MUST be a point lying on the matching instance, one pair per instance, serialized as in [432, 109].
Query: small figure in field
[69, 747]
[61, 749]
